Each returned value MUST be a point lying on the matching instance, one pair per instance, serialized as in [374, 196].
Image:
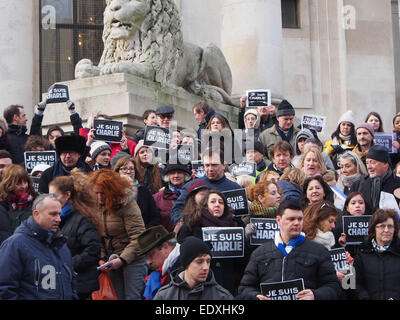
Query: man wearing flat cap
[380, 177]
[165, 115]
[282, 130]
[71, 151]
[162, 253]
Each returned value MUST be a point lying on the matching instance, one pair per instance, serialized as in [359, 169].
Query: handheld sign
[265, 230]
[227, 242]
[237, 200]
[310, 121]
[244, 168]
[340, 263]
[199, 167]
[355, 228]
[258, 98]
[285, 290]
[108, 130]
[182, 154]
[33, 158]
[157, 137]
[386, 140]
[57, 93]
[36, 181]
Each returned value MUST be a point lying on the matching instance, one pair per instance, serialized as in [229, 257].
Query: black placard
[258, 98]
[36, 181]
[108, 130]
[244, 168]
[237, 200]
[264, 230]
[199, 167]
[183, 154]
[340, 263]
[355, 228]
[226, 242]
[58, 93]
[33, 158]
[157, 137]
[285, 290]
[386, 140]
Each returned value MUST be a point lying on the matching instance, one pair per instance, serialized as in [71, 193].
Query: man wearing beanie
[380, 177]
[365, 140]
[195, 280]
[282, 130]
[256, 154]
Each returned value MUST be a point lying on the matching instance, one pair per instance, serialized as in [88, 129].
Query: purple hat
[195, 186]
[367, 126]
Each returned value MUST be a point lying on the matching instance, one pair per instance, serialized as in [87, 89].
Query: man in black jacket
[380, 178]
[290, 256]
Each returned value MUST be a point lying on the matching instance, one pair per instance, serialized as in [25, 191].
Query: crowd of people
[145, 210]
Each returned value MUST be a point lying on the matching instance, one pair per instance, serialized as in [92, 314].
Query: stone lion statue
[144, 38]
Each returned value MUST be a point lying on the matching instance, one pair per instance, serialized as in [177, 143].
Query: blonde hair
[319, 157]
[269, 175]
[294, 175]
[244, 181]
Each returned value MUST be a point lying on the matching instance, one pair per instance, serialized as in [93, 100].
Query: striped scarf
[286, 249]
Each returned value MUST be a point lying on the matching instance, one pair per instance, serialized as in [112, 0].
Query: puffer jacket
[178, 289]
[36, 264]
[121, 228]
[84, 243]
[378, 274]
[310, 261]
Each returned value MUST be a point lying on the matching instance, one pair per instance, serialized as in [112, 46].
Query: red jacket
[165, 200]
[115, 146]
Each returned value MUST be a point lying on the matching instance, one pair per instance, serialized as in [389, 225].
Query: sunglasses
[169, 116]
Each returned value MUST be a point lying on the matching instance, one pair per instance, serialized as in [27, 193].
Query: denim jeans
[128, 280]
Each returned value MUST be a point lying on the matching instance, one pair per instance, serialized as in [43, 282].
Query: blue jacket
[36, 264]
[223, 184]
[291, 191]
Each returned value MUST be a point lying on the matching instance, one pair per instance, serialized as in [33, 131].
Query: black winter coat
[10, 220]
[310, 261]
[84, 243]
[378, 274]
[150, 212]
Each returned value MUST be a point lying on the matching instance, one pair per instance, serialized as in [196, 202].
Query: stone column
[251, 40]
[19, 52]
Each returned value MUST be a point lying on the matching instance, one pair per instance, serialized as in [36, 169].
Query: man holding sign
[288, 257]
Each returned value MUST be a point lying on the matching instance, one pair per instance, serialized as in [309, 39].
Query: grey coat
[178, 289]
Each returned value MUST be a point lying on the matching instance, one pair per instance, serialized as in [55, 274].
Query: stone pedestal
[125, 97]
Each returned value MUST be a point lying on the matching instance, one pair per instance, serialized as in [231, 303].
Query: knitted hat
[118, 156]
[97, 147]
[303, 134]
[378, 153]
[139, 146]
[348, 116]
[285, 109]
[70, 143]
[367, 126]
[258, 146]
[191, 248]
[153, 237]
[255, 112]
[39, 168]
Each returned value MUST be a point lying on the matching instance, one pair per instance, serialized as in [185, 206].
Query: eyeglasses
[126, 169]
[384, 226]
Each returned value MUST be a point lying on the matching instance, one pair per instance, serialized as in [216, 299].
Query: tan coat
[270, 136]
[122, 228]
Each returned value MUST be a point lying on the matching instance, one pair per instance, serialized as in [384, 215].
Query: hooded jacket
[178, 289]
[36, 264]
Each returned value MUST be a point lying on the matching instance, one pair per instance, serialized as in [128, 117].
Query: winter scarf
[377, 186]
[259, 211]
[20, 201]
[174, 189]
[61, 170]
[287, 136]
[347, 181]
[208, 220]
[286, 249]
[379, 248]
[327, 239]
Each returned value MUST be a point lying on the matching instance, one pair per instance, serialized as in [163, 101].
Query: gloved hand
[40, 107]
[71, 106]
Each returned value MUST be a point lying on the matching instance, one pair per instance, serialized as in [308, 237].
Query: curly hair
[314, 214]
[113, 185]
[82, 198]
[294, 175]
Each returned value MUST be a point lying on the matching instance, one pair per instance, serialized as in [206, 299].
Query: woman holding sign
[215, 212]
[16, 196]
[377, 263]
